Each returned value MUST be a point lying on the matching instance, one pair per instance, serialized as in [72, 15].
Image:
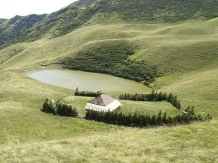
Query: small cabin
[103, 103]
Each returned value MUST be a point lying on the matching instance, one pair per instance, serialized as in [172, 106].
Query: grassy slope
[29, 135]
[157, 45]
[34, 27]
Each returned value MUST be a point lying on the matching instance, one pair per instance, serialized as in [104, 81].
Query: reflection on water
[87, 81]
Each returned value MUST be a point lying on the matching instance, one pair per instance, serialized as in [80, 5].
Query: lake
[88, 81]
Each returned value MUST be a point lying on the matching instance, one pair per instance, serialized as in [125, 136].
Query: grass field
[127, 106]
[187, 54]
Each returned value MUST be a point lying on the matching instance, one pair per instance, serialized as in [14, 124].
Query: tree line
[59, 108]
[87, 93]
[153, 96]
[140, 120]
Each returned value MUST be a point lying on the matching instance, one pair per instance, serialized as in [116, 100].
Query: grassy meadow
[186, 53]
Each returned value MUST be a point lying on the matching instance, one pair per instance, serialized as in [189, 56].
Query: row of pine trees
[153, 96]
[140, 120]
[59, 108]
[87, 93]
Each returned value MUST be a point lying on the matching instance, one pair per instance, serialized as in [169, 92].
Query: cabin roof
[102, 100]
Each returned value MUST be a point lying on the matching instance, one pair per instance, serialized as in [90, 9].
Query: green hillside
[33, 27]
[159, 10]
[12, 28]
[168, 47]
[84, 3]
[2, 20]
[182, 53]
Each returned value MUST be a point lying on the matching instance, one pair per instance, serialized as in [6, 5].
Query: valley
[183, 55]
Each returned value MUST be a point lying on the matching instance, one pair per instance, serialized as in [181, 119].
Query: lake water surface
[88, 81]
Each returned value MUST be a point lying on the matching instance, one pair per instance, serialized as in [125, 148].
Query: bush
[65, 109]
[87, 93]
[59, 108]
[48, 107]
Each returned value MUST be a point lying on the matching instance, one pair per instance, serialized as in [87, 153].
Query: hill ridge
[33, 27]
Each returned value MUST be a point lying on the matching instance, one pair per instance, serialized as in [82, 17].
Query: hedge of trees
[87, 93]
[139, 120]
[153, 96]
[59, 108]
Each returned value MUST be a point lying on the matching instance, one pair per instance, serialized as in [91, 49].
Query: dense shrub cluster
[65, 109]
[153, 96]
[17, 25]
[87, 93]
[48, 107]
[112, 58]
[159, 10]
[59, 108]
[139, 120]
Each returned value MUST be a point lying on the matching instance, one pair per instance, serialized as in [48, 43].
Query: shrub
[59, 108]
[48, 107]
[87, 93]
[65, 109]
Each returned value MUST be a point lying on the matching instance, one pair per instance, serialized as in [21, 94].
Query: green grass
[29, 135]
[186, 50]
[127, 106]
[151, 108]
[195, 88]
[195, 143]
[22, 121]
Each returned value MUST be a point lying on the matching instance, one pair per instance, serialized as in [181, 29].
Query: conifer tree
[159, 118]
[164, 118]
